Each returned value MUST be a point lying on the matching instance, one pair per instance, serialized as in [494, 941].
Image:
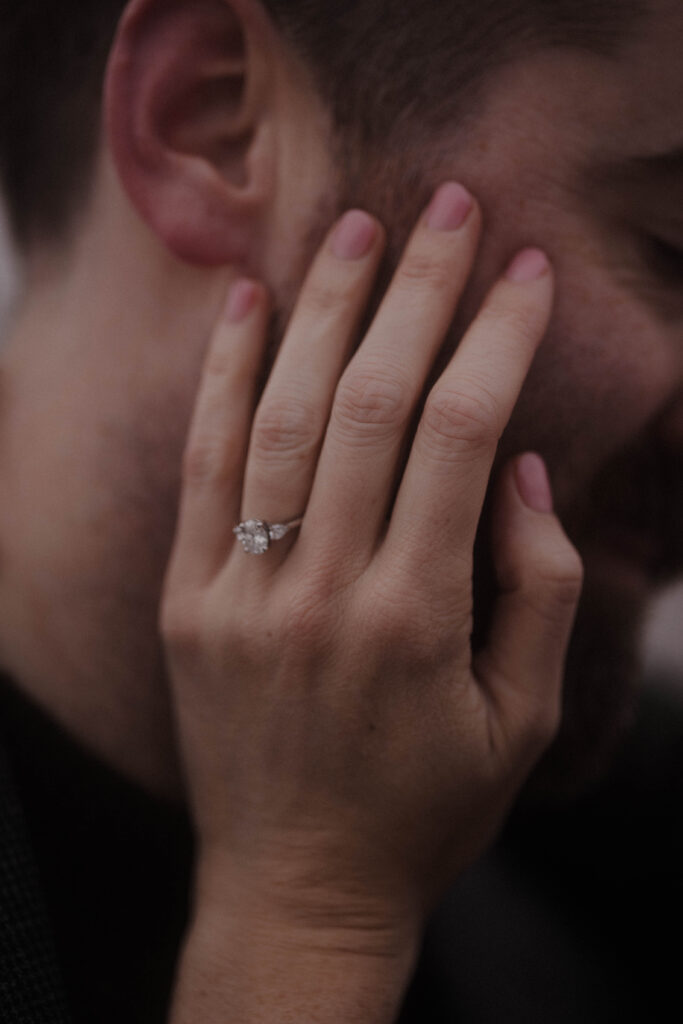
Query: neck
[98, 375]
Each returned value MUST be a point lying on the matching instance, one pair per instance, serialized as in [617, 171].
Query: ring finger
[292, 415]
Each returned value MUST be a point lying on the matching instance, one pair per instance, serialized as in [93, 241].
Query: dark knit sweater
[94, 880]
[567, 921]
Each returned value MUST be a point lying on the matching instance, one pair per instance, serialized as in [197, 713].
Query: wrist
[250, 956]
[314, 908]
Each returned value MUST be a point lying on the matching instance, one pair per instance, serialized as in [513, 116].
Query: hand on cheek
[337, 733]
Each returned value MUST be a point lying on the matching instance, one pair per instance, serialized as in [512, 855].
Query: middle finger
[380, 389]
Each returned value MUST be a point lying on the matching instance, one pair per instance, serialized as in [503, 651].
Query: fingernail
[449, 208]
[533, 482]
[241, 300]
[528, 265]
[354, 235]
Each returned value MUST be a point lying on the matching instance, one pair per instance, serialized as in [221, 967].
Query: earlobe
[186, 102]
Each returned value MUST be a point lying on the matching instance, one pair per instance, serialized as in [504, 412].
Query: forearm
[241, 964]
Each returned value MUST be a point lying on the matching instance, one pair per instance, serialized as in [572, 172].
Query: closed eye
[665, 258]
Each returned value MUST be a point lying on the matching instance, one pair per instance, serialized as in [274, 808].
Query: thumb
[539, 575]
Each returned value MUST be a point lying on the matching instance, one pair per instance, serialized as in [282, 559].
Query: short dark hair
[379, 67]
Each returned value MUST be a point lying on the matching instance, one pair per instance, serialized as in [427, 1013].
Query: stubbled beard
[637, 488]
[601, 684]
[600, 680]
[640, 490]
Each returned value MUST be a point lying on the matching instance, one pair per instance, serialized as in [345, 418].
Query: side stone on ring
[256, 535]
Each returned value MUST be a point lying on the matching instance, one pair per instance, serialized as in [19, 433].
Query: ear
[187, 97]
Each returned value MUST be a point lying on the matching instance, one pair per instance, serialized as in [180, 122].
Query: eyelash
[666, 259]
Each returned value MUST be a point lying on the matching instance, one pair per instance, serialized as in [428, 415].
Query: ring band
[256, 535]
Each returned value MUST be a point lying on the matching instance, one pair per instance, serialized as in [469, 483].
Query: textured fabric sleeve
[30, 985]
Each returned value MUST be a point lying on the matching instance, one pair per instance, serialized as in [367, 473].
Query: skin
[326, 835]
[100, 391]
[328, 824]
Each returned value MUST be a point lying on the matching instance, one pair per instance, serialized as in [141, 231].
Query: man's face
[577, 154]
[567, 151]
[564, 152]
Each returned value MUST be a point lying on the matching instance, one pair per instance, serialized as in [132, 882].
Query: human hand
[346, 754]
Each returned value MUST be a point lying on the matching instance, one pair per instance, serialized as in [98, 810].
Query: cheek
[604, 371]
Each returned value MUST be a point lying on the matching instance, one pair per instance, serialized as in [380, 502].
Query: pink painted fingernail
[241, 300]
[354, 235]
[449, 208]
[528, 265]
[533, 482]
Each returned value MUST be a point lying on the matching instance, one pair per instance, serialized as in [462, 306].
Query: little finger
[539, 574]
[444, 484]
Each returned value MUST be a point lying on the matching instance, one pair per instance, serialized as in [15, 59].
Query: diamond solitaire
[256, 535]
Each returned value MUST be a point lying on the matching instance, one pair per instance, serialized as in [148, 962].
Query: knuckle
[220, 362]
[388, 637]
[403, 621]
[514, 319]
[308, 624]
[425, 273]
[384, 622]
[181, 627]
[372, 402]
[561, 578]
[285, 427]
[464, 417]
[208, 460]
[325, 294]
[550, 578]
